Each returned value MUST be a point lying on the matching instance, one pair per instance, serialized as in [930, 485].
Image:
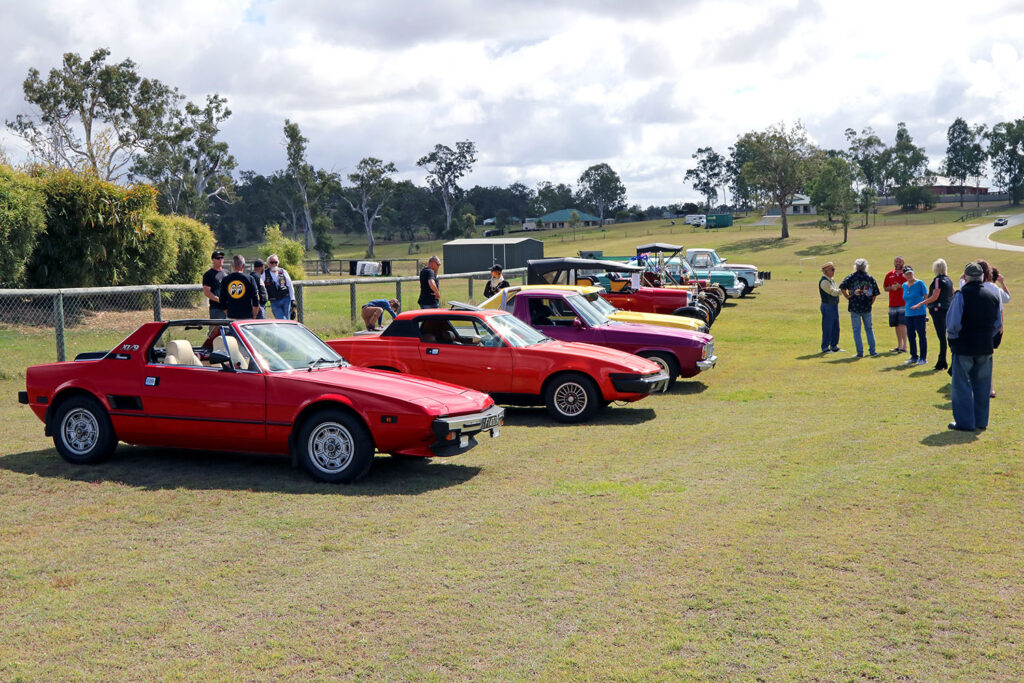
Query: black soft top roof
[537, 268]
[658, 246]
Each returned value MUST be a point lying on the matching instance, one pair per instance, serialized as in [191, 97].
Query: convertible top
[565, 269]
[658, 247]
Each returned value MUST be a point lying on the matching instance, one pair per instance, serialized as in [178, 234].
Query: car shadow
[165, 468]
[683, 388]
[526, 416]
[949, 437]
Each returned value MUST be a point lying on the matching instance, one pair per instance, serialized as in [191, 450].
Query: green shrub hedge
[22, 220]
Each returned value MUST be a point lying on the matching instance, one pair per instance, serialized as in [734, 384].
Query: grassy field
[785, 516]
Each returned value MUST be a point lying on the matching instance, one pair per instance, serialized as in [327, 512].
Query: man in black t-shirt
[430, 295]
[238, 292]
[211, 284]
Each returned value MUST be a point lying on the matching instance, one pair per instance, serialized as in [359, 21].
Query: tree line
[92, 115]
[770, 167]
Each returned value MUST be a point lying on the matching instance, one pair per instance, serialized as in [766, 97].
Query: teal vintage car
[669, 258]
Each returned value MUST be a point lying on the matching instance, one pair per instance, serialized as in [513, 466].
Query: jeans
[432, 304]
[939, 320]
[829, 327]
[915, 331]
[218, 314]
[855, 321]
[972, 380]
[281, 308]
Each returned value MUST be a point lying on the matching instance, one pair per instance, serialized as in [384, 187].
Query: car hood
[667, 335]
[436, 397]
[625, 362]
[737, 266]
[677, 321]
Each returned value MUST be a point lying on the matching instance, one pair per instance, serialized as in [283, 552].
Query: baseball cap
[217, 254]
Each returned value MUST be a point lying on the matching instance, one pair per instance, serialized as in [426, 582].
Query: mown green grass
[786, 516]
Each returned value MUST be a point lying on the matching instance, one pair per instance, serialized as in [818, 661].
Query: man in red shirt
[897, 308]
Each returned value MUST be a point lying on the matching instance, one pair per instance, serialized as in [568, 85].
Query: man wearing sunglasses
[280, 290]
[211, 285]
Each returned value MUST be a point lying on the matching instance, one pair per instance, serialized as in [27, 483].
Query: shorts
[897, 316]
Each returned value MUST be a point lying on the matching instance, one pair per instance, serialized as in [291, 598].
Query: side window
[470, 331]
[436, 330]
[191, 345]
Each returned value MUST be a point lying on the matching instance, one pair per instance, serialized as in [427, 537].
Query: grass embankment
[786, 516]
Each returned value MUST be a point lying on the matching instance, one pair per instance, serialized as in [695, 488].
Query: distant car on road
[1002, 220]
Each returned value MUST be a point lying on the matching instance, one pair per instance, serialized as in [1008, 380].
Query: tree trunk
[785, 223]
[368, 224]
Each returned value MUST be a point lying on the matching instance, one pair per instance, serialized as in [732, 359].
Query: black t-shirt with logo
[212, 279]
[427, 297]
[238, 294]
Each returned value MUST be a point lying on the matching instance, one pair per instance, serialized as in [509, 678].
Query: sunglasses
[273, 263]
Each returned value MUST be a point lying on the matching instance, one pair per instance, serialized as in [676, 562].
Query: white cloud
[546, 89]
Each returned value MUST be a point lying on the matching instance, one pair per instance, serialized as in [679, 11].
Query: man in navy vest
[971, 324]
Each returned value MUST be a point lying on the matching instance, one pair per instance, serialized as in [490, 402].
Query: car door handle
[433, 352]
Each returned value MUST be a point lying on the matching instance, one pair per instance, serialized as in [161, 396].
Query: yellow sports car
[504, 298]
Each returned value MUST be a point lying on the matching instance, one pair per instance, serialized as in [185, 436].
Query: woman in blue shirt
[914, 292]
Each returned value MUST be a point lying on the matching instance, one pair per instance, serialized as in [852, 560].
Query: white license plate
[463, 441]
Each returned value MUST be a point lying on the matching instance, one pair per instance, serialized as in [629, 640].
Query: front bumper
[735, 291]
[707, 364]
[640, 384]
[456, 434]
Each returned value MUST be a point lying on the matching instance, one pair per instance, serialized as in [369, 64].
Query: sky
[545, 88]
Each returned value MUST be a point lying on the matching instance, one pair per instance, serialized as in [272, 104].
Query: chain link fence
[40, 325]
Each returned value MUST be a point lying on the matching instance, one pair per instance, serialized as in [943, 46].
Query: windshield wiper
[323, 361]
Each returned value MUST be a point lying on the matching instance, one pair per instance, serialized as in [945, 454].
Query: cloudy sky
[545, 88]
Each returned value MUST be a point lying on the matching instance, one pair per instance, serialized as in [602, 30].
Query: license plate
[463, 441]
[489, 422]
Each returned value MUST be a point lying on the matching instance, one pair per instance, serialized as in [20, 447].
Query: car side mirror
[219, 358]
[577, 324]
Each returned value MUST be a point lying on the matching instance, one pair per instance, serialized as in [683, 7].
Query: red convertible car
[495, 352]
[255, 386]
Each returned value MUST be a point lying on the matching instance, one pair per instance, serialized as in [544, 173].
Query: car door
[463, 350]
[198, 406]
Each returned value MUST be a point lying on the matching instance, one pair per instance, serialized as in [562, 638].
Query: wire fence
[38, 325]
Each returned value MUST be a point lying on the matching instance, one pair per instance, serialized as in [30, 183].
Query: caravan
[697, 219]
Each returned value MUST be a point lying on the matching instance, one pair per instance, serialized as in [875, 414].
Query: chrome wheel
[664, 365]
[571, 399]
[331, 447]
[80, 431]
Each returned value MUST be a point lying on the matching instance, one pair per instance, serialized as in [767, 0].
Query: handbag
[997, 339]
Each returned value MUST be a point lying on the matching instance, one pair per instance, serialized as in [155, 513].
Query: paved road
[979, 236]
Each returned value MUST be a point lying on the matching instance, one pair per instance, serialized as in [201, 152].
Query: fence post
[58, 322]
[470, 279]
[352, 300]
[398, 291]
[298, 303]
[158, 303]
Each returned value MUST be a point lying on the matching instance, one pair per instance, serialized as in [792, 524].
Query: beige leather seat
[179, 352]
[238, 359]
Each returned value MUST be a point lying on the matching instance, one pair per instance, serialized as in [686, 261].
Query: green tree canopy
[601, 188]
[1006, 150]
[372, 187]
[445, 166]
[92, 115]
[780, 163]
[708, 174]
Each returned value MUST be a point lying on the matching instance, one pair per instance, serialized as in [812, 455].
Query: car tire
[718, 293]
[82, 431]
[571, 397]
[694, 312]
[710, 311]
[334, 447]
[667, 363]
[747, 289]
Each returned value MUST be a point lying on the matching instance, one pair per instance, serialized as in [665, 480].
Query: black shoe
[953, 425]
[941, 365]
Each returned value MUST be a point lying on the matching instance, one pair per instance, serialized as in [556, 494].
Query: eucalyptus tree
[708, 174]
[780, 162]
[91, 115]
[372, 187]
[601, 188]
[186, 162]
[445, 166]
[868, 151]
[965, 156]
[1006, 150]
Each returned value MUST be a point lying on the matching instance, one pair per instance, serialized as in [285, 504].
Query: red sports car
[496, 352]
[256, 386]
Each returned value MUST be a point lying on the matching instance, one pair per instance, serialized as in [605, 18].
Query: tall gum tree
[445, 166]
[781, 161]
[601, 187]
[372, 187]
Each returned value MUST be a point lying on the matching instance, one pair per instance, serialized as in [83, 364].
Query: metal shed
[472, 255]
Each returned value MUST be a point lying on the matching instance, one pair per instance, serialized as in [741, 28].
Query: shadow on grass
[821, 250]
[755, 244]
[164, 468]
[616, 415]
[688, 388]
[949, 437]
[848, 359]
[816, 354]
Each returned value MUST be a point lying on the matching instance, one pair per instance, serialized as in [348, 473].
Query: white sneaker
[922, 361]
[910, 361]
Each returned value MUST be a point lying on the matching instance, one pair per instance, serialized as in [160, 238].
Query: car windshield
[288, 346]
[586, 311]
[600, 303]
[515, 331]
